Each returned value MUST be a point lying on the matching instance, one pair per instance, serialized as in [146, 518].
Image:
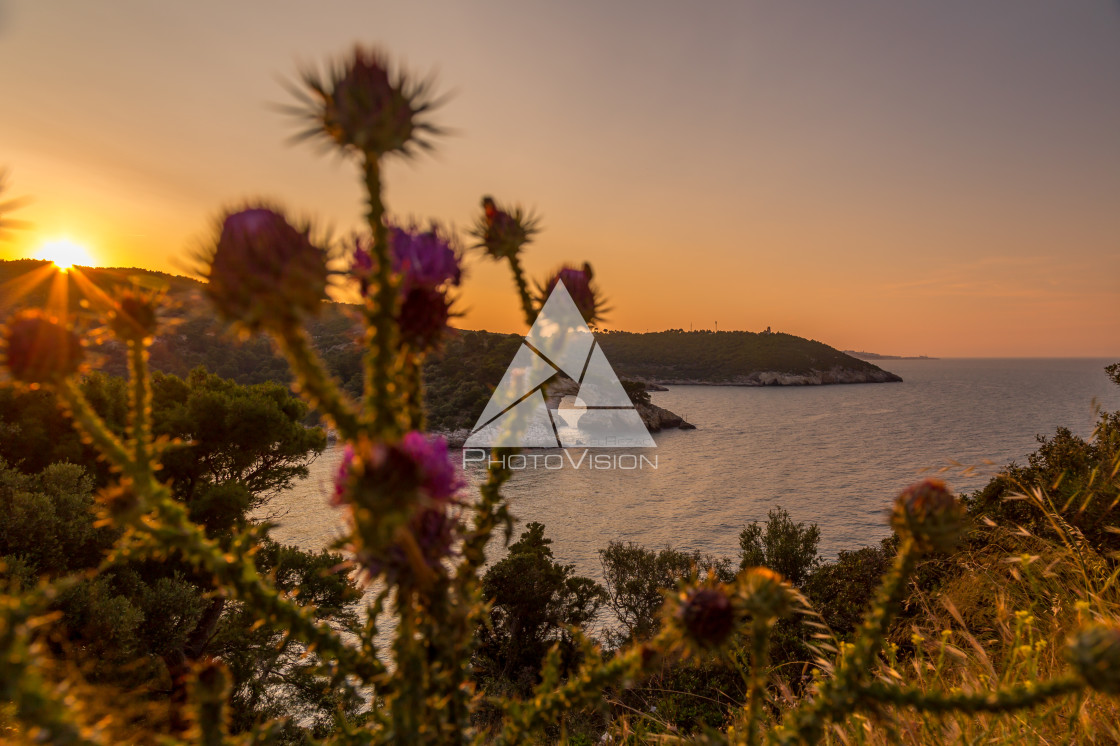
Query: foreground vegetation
[140, 606]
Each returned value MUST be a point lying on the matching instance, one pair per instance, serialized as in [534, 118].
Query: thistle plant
[413, 533]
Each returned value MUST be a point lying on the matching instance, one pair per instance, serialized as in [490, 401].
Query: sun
[64, 254]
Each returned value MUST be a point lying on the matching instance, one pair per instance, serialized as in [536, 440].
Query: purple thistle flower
[416, 463]
[429, 267]
[441, 481]
[434, 532]
[424, 258]
[411, 485]
[265, 271]
[580, 286]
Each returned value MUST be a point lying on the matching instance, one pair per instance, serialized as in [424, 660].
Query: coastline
[833, 376]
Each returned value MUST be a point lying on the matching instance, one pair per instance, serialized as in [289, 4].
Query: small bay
[833, 455]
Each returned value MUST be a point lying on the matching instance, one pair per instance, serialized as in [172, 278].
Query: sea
[830, 455]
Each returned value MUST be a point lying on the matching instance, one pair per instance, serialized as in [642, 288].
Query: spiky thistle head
[362, 104]
[402, 499]
[417, 466]
[38, 348]
[1095, 654]
[134, 316]
[764, 594]
[701, 619]
[264, 272]
[930, 515]
[503, 233]
[579, 282]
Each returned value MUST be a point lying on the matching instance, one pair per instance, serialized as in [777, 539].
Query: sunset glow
[64, 254]
[814, 174]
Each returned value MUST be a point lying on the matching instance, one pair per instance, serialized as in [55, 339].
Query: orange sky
[939, 178]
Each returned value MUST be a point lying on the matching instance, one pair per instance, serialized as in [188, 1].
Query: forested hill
[733, 358]
[459, 380]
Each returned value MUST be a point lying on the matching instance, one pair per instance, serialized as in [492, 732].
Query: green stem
[316, 384]
[874, 628]
[210, 696]
[1001, 700]
[487, 513]
[413, 391]
[839, 697]
[93, 427]
[171, 528]
[760, 662]
[141, 395]
[527, 306]
[49, 711]
[406, 703]
[381, 365]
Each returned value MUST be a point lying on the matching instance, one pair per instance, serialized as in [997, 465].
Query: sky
[938, 178]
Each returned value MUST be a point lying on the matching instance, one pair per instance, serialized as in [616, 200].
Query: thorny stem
[760, 662]
[93, 427]
[527, 305]
[381, 310]
[1002, 700]
[141, 391]
[412, 385]
[316, 384]
[49, 711]
[840, 696]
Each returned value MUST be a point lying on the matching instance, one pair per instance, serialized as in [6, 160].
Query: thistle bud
[423, 317]
[1095, 655]
[134, 316]
[264, 272]
[40, 349]
[929, 514]
[503, 235]
[765, 594]
[579, 284]
[707, 617]
[362, 105]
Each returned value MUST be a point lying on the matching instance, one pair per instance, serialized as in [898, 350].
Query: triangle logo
[599, 415]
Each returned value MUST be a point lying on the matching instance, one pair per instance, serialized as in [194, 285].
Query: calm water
[834, 455]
